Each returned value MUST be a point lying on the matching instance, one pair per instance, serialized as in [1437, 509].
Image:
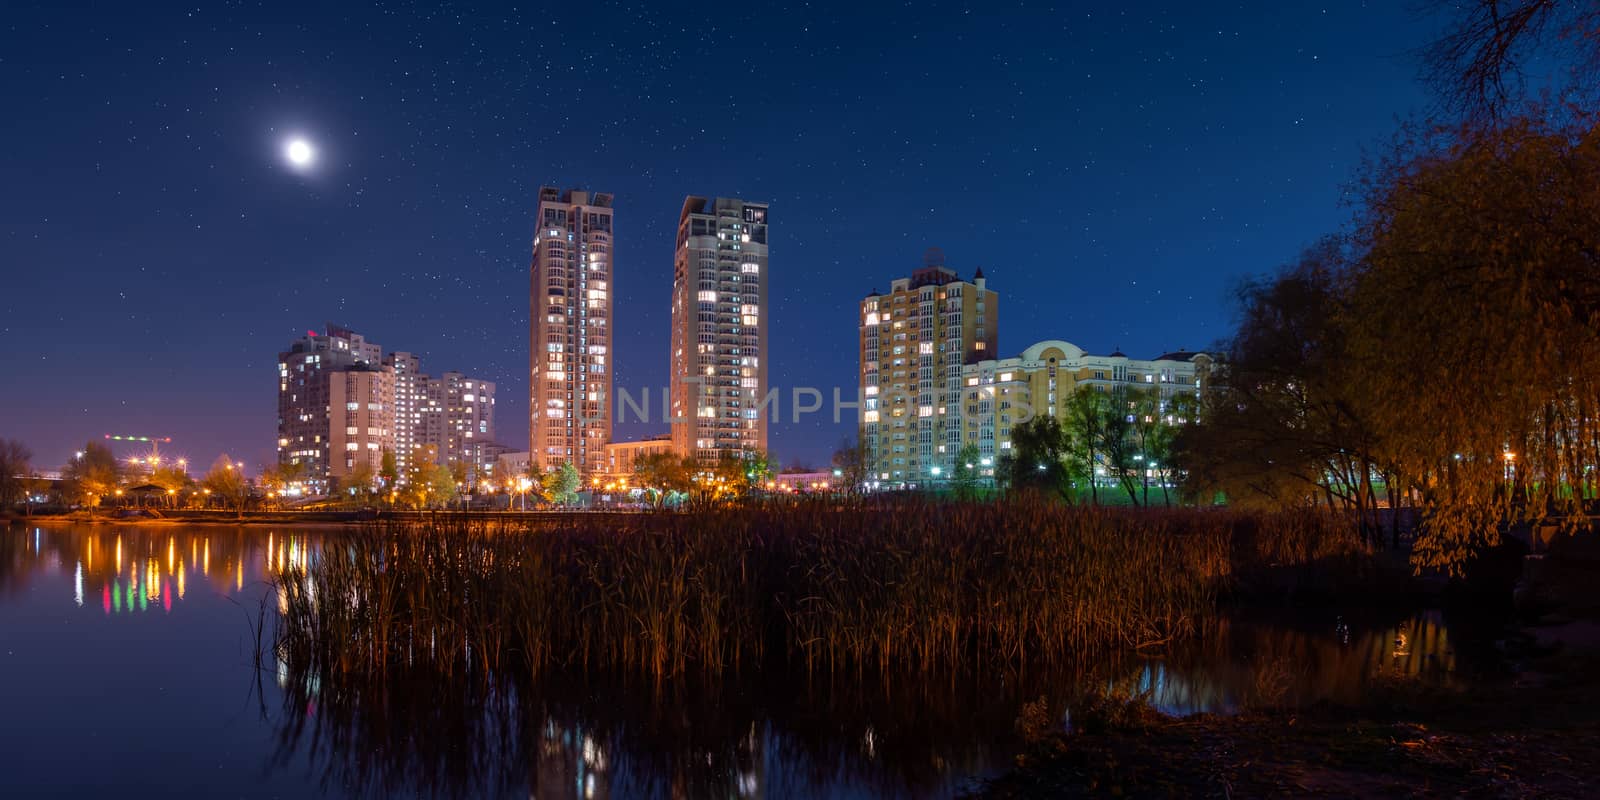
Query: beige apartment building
[998, 394]
[361, 419]
[720, 324]
[915, 340]
[569, 336]
[620, 456]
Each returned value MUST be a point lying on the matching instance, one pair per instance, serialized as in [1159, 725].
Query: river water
[129, 667]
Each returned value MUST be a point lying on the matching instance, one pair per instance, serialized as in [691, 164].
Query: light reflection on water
[179, 602]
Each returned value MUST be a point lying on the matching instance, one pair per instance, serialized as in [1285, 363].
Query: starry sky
[1114, 170]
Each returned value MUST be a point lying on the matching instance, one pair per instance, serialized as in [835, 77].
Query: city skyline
[1145, 160]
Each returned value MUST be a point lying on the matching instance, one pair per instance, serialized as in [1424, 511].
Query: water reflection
[133, 570]
[764, 733]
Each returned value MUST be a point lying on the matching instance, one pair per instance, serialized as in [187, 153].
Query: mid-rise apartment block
[468, 428]
[620, 456]
[720, 325]
[307, 412]
[1001, 393]
[343, 403]
[915, 340]
[569, 337]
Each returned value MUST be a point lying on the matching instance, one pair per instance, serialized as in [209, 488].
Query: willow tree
[1473, 328]
[1281, 423]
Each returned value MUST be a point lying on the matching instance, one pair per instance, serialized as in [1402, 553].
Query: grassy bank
[1405, 739]
[912, 585]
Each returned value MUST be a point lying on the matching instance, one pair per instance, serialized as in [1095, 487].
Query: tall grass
[907, 585]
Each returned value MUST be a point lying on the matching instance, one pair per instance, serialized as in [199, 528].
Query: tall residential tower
[915, 339]
[569, 331]
[719, 329]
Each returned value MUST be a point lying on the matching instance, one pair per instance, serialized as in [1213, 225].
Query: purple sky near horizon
[1114, 172]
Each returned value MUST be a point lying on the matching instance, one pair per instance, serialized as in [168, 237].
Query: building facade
[569, 337]
[620, 456]
[915, 340]
[468, 426]
[306, 416]
[412, 410]
[720, 327]
[1001, 393]
[361, 420]
[343, 403]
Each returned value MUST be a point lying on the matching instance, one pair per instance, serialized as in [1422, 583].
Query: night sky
[1115, 173]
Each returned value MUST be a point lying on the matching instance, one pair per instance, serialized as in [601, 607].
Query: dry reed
[902, 585]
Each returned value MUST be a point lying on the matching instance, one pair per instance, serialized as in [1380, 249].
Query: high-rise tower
[569, 330]
[915, 339]
[719, 329]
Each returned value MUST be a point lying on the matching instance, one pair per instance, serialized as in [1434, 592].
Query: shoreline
[1527, 733]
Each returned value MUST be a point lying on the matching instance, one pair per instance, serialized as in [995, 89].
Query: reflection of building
[569, 371]
[914, 341]
[570, 763]
[146, 570]
[998, 394]
[620, 456]
[342, 403]
[719, 329]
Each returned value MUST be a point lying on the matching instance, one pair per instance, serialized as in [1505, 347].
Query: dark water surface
[129, 668]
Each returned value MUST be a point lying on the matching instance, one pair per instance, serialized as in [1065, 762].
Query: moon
[300, 153]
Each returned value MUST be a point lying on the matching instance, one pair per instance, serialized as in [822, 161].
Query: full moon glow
[300, 153]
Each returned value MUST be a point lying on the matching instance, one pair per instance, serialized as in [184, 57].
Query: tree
[1085, 412]
[1477, 66]
[967, 474]
[441, 486]
[388, 471]
[1116, 440]
[226, 482]
[358, 482]
[32, 487]
[14, 468]
[851, 463]
[1039, 458]
[93, 474]
[459, 477]
[1281, 423]
[173, 479]
[738, 473]
[420, 489]
[662, 474]
[1154, 427]
[561, 484]
[1482, 252]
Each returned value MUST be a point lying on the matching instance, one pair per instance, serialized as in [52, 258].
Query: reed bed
[906, 585]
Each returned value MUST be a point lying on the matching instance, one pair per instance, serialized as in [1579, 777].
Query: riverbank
[1532, 732]
[299, 519]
